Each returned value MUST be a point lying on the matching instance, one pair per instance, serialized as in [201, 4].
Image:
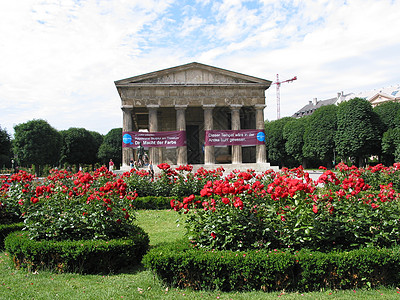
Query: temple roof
[192, 74]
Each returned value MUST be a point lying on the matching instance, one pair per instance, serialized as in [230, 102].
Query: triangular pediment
[380, 97]
[192, 73]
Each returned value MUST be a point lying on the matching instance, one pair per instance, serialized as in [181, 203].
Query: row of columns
[155, 154]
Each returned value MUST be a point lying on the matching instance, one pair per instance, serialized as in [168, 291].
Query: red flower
[163, 166]
[238, 203]
[213, 235]
[374, 205]
[315, 208]
[225, 200]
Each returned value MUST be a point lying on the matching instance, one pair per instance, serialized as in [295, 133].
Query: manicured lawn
[140, 283]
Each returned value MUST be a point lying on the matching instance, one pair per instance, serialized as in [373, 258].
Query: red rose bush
[345, 209]
[67, 206]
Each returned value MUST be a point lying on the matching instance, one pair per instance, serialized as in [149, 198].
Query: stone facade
[194, 97]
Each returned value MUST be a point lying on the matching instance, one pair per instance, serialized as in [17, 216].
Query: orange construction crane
[278, 97]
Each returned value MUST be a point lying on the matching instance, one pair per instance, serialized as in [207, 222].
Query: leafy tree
[36, 143]
[275, 142]
[319, 135]
[111, 148]
[391, 146]
[5, 148]
[388, 112]
[98, 140]
[358, 130]
[293, 133]
[79, 146]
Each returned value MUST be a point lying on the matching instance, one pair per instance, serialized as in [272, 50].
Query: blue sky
[59, 59]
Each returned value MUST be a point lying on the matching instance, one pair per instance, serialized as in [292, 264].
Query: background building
[375, 97]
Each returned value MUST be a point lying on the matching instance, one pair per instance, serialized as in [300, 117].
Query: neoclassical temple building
[194, 114]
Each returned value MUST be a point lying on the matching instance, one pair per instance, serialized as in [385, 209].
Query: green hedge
[182, 266]
[6, 229]
[152, 202]
[85, 256]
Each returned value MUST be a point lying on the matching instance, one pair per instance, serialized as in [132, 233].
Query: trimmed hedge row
[84, 256]
[152, 202]
[6, 229]
[183, 266]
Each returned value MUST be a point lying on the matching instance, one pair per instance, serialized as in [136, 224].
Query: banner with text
[154, 139]
[243, 137]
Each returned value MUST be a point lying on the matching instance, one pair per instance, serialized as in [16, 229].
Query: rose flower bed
[340, 231]
[81, 222]
[84, 222]
[276, 230]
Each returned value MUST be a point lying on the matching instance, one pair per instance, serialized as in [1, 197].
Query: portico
[194, 98]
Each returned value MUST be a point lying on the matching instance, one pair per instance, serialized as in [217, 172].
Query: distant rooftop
[375, 96]
[392, 91]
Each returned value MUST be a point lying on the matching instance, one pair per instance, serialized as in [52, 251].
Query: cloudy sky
[59, 58]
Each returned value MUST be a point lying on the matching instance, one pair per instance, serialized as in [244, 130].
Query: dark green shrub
[152, 202]
[180, 265]
[6, 229]
[85, 256]
[368, 267]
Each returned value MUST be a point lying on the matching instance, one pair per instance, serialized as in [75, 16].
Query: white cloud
[191, 24]
[60, 58]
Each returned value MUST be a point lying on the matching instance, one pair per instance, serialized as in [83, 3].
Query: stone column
[261, 152]
[181, 152]
[236, 149]
[127, 125]
[209, 155]
[153, 126]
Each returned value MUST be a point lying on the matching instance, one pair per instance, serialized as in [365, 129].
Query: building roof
[193, 74]
[375, 97]
[392, 91]
[313, 105]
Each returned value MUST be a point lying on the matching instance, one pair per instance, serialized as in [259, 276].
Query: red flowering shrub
[67, 206]
[287, 209]
[177, 182]
[13, 190]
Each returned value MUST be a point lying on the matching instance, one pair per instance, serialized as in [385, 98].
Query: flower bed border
[82, 256]
[183, 266]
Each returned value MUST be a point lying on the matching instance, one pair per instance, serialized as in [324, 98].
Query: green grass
[140, 283]
[162, 225]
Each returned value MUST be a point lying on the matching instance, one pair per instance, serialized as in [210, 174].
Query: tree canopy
[111, 148]
[36, 143]
[293, 133]
[319, 134]
[358, 130]
[79, 146]
[275, 142]
[389, 113]
[5, 148]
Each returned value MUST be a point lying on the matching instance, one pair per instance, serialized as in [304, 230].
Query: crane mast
[278, 96]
